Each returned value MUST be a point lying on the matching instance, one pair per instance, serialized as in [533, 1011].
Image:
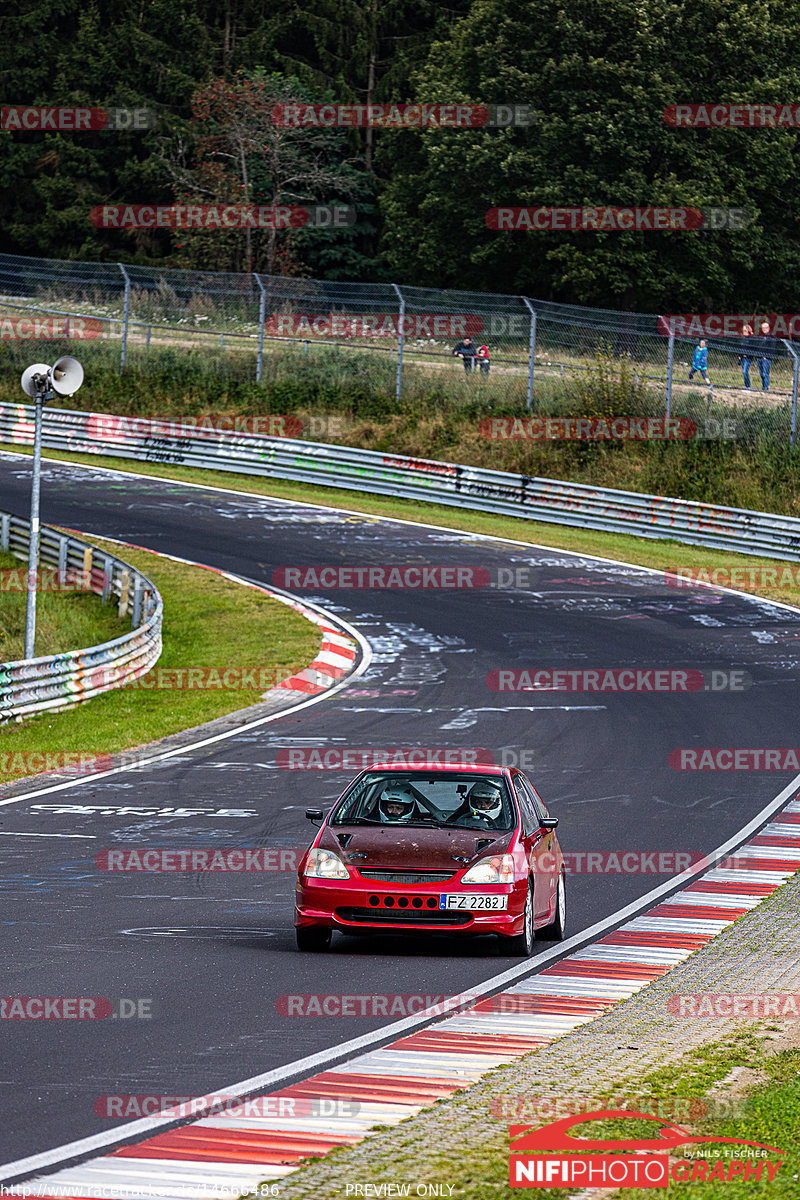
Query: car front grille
[394, 916]
[406, 877]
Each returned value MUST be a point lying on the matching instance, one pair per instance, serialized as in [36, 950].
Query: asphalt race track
[212, 953]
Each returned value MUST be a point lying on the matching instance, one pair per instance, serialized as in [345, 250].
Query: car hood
[414, 846]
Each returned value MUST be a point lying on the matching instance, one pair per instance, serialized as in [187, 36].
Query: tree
[241, 156]
[601, 74]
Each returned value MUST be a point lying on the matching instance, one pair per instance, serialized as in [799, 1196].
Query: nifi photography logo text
[549, 1156]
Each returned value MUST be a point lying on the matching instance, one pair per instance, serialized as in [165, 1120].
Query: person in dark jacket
[746, 359]
[764, 343]
[466, 349]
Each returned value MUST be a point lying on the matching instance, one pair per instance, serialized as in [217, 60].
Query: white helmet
[489, 799]
[397, 794]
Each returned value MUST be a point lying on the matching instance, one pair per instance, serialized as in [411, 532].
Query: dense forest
[597, 75]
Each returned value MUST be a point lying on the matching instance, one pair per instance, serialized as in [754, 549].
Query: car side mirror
[313, 814]
[548, 822]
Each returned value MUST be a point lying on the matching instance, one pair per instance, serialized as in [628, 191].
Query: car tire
[313, 939]
[555, 931]
[521, 944]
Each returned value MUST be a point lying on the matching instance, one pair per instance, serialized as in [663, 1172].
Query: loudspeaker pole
[33, 552]
[39, 381]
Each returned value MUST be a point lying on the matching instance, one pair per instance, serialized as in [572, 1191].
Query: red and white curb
[335, 659]
[233, 1153]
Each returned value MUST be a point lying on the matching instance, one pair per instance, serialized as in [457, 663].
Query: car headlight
[324, 864]
[497, 869]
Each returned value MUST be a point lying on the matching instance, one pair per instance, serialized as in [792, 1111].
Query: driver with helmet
[398, 804]
[482, 806]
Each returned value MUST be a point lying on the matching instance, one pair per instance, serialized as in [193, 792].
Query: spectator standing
[700, 361]
[745, 359]
[466, 349]
[765, 344]
[483, 359]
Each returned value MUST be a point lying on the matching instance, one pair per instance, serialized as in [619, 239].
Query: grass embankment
[210, 624]
[770, 1115]
[348, 397]
[65, 620]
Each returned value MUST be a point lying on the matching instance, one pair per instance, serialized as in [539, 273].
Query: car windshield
[448, 799]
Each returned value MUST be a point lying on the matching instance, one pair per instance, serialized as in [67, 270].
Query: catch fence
[400, 340]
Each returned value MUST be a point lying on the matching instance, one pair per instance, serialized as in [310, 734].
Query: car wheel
[556, 929]
[521, 945]
[312, 938]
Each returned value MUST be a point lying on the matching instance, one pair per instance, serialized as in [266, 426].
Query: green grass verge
[210, 623]
[662, 555]
[65, 620]
[770, 1115]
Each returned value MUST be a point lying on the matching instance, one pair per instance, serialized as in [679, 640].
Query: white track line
[277, 594]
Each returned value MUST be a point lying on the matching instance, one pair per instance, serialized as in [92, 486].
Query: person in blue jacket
[700, 361]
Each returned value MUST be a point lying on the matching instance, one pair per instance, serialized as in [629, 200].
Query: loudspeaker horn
[28, 385]
[67, 375]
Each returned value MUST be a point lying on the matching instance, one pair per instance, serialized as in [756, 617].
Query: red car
[437, 849]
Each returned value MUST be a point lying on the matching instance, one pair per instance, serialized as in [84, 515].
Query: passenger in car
[482, 808]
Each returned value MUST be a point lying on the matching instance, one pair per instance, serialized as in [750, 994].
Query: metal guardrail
[549, 500]
[63, 680]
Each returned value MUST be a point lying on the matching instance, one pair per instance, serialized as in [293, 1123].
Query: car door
[534, 839]
[545, 854]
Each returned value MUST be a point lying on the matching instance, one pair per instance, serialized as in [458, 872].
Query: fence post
[795, 373]
[670, 360]
[401, 337]
[531, 349]
[262, 316]
[126, 312]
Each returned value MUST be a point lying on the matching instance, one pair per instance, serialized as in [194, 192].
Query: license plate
[479, 901]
